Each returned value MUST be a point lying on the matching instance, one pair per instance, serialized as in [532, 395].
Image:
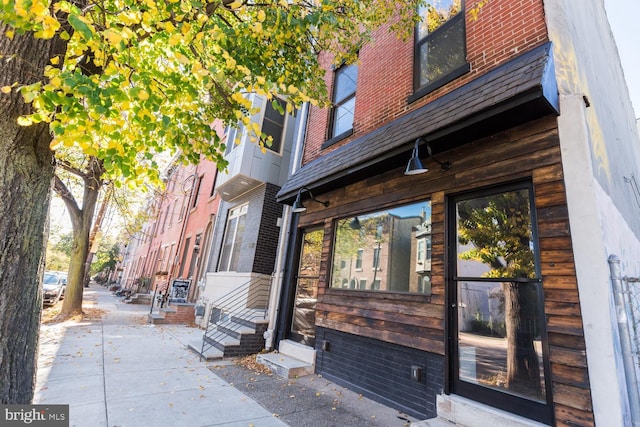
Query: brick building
[180, 221]
[522, 119]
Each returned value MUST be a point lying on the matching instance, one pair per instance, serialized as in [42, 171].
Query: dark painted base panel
[382, 371]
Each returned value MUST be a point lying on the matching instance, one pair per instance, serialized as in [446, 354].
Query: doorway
[498, 351]
[303, 328]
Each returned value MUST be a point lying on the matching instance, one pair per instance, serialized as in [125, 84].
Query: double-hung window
[440, 50]
[233, 138]
[344, 101]
[196, 192]
[233, 236]
[273, 125]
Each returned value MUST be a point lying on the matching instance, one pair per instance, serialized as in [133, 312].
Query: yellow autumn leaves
[142, 76]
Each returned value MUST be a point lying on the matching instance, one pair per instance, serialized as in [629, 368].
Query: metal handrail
[240, 303]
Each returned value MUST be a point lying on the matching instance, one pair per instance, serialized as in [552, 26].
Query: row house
[455, 214]
[167, 251]
[217, 234]
[242, 260]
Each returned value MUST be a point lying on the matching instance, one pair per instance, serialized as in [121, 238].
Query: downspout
[620, 289]
[274, 297]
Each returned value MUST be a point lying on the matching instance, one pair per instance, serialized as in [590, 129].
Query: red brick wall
[184, 315]
[504, 29]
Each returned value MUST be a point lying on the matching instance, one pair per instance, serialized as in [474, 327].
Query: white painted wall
[600, 147]
[248, 159]
[219, 284]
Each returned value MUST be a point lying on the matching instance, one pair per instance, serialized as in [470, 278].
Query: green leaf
[81, 27]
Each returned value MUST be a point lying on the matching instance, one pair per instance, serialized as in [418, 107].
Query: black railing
[238, 308]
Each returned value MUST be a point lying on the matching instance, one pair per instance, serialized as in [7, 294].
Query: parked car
[64, 283]
[53, 287]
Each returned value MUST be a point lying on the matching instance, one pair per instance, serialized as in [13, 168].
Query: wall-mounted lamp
[415, 167]
[355, 224]
[299, 207]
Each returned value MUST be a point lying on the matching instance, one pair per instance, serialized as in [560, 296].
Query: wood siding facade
[529, 152]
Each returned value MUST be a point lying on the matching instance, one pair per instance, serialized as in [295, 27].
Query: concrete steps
[457, 411]
[285, 366]
[175, 314]
[237, 334]
[139, 299]
[291, 361]
[209, 355]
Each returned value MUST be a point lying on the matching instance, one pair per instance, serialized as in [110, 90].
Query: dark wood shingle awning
[521, 90]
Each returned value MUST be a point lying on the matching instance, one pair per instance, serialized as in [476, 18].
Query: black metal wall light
[299, 207]
[415, 167]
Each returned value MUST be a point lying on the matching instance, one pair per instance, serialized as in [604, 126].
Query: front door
[303, 328]
[498, 346]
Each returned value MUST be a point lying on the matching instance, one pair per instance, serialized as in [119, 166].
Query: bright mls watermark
[34, 415]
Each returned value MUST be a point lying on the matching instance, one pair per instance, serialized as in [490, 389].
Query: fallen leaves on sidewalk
[251, 363]
[90, 312]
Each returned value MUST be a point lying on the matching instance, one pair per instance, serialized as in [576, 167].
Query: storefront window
[388, 250]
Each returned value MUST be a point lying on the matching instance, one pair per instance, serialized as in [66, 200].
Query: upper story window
[440, 51]
[196, 192]
[344, 100]
[273, 125]
[233, 134]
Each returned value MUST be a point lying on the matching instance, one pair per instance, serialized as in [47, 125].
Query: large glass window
[344, 100]
[499, 339]
[380, 250]
[233, 236]
[440, 53]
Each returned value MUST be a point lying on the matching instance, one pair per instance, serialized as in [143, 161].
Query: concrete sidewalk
[120, 371]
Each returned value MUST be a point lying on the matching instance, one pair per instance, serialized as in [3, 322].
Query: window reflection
[495, 237]
[499, 337]
[499, 309]
[439, 50]
[388, 250]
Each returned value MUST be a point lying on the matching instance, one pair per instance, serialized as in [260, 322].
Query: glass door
[499, 351]
[303, 328]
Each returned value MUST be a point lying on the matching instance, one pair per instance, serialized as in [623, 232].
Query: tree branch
[67, 197]
[70, 168]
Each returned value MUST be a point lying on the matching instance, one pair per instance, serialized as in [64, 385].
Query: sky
[623, 18]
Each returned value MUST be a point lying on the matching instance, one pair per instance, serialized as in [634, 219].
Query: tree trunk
[523, 369]
[26, 170]
[72, 303]
[81, 220]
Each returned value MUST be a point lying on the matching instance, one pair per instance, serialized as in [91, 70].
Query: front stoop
[457, 411]
[237, 335]
[285, 366]
[209, 354]
[139, 299]
[175, 314]
[292, 360]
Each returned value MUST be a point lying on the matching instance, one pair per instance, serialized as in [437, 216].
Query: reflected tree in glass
[307, 286]
[497, 232]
